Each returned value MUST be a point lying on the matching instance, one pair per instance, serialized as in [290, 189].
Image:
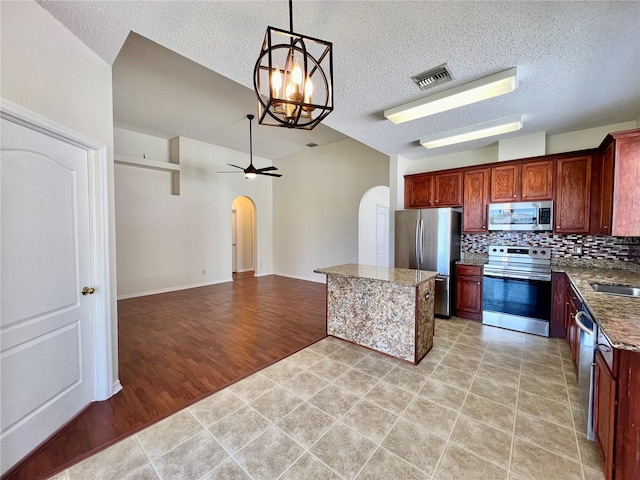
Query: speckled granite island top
[401, 276]
[389, 310]
[618, 316]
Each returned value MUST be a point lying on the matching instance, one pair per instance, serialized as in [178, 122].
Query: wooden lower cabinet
[469, 291]
[604, 414]
[617, 410]
[558, 327]
[573, 306]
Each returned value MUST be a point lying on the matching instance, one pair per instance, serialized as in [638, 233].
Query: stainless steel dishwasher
[586, 367]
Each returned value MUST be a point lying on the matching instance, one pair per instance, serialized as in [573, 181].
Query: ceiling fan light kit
[293, 79]
[251, 171]
[474, 132]
[482, 89]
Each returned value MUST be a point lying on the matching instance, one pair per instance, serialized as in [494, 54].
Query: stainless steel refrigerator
[429, 239]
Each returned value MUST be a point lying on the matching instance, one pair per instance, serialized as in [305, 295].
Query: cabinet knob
[478, 283]
[524, 195]
[605, 227]
[436, 201]
[514, 196]
[484, 226]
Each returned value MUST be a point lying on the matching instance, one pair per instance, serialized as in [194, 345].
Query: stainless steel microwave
[521, 216]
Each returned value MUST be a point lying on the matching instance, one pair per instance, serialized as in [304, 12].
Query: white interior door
[382, 235]
[46, 328]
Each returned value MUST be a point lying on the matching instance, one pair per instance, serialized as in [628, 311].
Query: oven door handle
[581, 326]
[517, 276]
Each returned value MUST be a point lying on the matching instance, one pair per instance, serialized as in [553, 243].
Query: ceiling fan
[251, 171]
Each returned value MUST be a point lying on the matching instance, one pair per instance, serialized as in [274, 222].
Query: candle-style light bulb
[276, 81]
[308, 90]
[296, 76]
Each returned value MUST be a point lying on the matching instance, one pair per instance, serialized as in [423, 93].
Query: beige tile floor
[485, 403]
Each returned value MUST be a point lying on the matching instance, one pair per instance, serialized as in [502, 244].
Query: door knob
[88, 290]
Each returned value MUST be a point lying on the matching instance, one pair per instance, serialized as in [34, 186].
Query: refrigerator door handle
[417, 243]
[421, 244]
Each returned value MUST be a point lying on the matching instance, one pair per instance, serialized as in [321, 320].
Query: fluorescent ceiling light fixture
[474, 132]
[472, 92]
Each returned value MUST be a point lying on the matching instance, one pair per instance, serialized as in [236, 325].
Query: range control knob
[542, 252]
[502, 250]
[535, 252]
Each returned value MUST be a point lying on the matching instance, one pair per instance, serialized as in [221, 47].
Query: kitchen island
[390, 310]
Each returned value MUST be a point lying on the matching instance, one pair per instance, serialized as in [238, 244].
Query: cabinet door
[475, 199]
[625, 220]
[418, 191]
[448, 190]
[605, 197]
[604, 414]
[505, 183]
[572, 195]
[537, 180]
[557, 325]
[469, 297]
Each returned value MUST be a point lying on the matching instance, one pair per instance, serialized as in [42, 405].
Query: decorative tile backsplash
[585, 247]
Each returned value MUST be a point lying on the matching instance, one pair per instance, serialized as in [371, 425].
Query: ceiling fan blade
[232, 165]
[229, 172]
[269, 174]
[267, 169]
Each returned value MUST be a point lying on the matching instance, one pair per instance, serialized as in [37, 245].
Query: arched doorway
[374, 227]
[243, 238]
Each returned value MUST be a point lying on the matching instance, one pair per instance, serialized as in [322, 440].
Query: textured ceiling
[578, 63]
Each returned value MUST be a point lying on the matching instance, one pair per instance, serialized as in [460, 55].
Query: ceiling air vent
[433, 77]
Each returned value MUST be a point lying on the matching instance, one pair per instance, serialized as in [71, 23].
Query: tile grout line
[437, 465]
[415, 395]
[515, 413]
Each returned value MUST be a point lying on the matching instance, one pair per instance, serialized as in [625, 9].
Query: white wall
[583, 139]
[316, 204]
[164, 241]
[46, 69]
[244, 233]
[368, 223]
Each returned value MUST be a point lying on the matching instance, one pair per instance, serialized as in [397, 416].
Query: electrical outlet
[204, 272]
[577, 249]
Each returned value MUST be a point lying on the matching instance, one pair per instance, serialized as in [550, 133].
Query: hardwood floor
[176, 348]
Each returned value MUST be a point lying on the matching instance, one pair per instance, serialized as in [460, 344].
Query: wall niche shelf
[145, 163]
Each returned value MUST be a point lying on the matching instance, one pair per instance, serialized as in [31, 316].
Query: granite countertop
[618, 316]
[401, 276]
[473, 261]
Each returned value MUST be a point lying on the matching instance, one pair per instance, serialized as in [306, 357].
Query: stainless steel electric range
[516, 290]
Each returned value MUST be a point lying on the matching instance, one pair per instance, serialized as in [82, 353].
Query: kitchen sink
[625, 290]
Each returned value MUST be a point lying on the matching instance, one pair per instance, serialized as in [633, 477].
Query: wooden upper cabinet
[475, 200]
[418, 191]
[573, 195]
[433, 190]
[619, 196]
[522, 182]
[505, 183]
[448, 190]
[537, 180]
[602, 203]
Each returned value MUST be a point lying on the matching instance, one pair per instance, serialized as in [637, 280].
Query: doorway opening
[243, 238]
[374, 227]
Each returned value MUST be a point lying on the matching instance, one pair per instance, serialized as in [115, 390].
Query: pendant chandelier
[293, 79]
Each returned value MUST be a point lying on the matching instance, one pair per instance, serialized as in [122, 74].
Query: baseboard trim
[300, 277]
[172, 289]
